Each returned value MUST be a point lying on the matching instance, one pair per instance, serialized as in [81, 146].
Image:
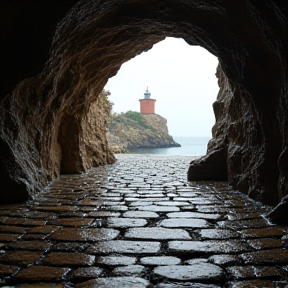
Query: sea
[190, 146]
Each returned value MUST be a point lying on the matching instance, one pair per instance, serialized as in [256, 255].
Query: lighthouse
[147, 105]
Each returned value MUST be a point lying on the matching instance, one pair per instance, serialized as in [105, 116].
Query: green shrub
[138, 117]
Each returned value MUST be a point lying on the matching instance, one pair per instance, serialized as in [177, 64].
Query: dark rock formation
[279, 213]
[212, 166]
[47, 90]
[132, 130]
[239, 129]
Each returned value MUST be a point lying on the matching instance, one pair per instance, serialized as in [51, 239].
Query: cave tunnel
[56, 57]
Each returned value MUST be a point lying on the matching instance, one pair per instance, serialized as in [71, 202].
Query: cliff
[132, 130]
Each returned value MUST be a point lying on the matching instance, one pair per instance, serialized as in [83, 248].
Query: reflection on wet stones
[218, 234]
[194, 215]
[125, 247]
[85, 273]
[224, 259]
[116, 260]
[195, 247]
[272, 256]
[156, 208]
[197, 272]
[90, 234]
[184, 222]
[160, 260]
[161, 231]
[129, 270]
[156, 233]
[140, 214]
[125, 222]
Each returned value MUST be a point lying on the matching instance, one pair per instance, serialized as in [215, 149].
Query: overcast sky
[182, 80]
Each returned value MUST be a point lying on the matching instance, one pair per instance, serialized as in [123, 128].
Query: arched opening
[182, 80]
[96, 37]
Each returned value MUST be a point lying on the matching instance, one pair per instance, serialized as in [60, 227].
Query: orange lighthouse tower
[147, 105]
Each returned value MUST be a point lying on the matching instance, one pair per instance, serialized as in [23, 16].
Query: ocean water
[190, 146]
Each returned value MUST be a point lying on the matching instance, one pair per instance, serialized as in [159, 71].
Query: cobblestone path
[139, 223]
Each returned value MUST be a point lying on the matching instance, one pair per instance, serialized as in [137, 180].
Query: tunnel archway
[90, 44]
[180, 77]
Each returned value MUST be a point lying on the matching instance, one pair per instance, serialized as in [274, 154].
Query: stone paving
[139, 223]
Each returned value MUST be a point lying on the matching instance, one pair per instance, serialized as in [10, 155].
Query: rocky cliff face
[36, 150]
[246, 147]
[132, 130]
[241, 145]
[56, 57]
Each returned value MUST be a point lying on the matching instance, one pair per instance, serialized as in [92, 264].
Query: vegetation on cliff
[136, 116]
[132, 130]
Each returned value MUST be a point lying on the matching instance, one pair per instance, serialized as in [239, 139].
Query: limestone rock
[132, 130]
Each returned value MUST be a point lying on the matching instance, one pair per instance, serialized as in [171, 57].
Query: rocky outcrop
[212, 166]
[279, 213]
[240, 129]
[48, 85]
[38, 150]
[132, 130]
[94, 133]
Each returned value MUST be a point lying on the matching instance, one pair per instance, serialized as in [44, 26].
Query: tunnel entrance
[182, 80]
[90, 44]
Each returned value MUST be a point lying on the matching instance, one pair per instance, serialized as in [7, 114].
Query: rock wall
[144, 131]
[240, 145]
[39, 141]
[48, 85]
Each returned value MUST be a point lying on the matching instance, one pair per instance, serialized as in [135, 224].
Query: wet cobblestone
[139, 223]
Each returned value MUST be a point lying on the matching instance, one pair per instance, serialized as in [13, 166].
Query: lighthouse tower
[147, 105]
